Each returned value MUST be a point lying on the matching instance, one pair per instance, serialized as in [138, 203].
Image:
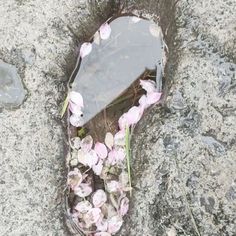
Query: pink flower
[134, 115]
[83, 190]
[83, 207]
[93, 216]
[99, 198]
[124, 206]
[113, 186]
[153, 97]
[87, 143]
[102, 234]
[74, 178]
[85, 49]
[148, 85]
[123, 122]
[76, 98]
[101, 150]
[76, 120]
[109, 140]
[114, 224]
[97, 168]
[105, 31]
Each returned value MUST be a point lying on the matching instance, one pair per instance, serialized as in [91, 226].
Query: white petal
[76, 98]
[76, 120]
[109, 140]
[105, 31]
[85, 49]
[155, 30]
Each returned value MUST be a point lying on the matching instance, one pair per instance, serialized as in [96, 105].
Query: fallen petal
[96, 38]
[97, 169]
[76, 98]
[83, 190]
[85, 49]
[105, 31]
[99, 198]
[114, 224]
[102, 226]
[101, 150]
[143, 102]
[83, 207]
[148, 85]
[134, 115]
[123, 122]
[75, 109]
[109, 140]
[113, 186]
[87, 143]
[76, 120]
[93, 215]
[153, 97]
[124, 206]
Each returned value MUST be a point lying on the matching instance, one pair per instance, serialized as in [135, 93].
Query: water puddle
[134, 46]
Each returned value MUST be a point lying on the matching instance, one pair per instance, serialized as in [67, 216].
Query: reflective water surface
[117, 62]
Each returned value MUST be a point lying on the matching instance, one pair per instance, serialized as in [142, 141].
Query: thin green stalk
[128, 158]
[65, 104]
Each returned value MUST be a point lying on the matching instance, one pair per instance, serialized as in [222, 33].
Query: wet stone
[12, 92]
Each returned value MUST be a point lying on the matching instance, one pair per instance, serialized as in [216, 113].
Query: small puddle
[116, 63]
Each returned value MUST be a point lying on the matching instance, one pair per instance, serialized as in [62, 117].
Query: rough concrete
[184, 156]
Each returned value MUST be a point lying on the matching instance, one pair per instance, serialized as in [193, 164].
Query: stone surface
[184, 156]
[12, 92]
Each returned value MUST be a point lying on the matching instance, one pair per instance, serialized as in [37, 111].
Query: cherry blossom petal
[74, 178]
[119, 138]
[101, 150]
[83, 190]
[75, 109]
[76, 120]
[105, 31]
[114, 224]
[124, 206]
[113, 186]
[93, 215]
[102, 234]
[135, 19]
[82, 158]
[83, 207]
[155, 30]
[109, 140]
[134, 115]
[87, 143]
[76, 98]
[85, 49]
[96, 38]
[102, 225]
[99, 198]
[75, 143]
[143, 102]
[97, 169]
[120, 155]
[123, 122]
[112, 157]
[148, 85]
[153, 97]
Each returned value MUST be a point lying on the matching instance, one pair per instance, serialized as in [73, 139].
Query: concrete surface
[184, 156]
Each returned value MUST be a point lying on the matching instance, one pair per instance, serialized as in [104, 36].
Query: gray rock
[12, 92]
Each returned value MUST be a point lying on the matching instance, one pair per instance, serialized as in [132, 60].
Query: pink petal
[105, 31]
[76, 120]
[76, 98]
[134, 115]
[99, 198]
[82, 158]
[101, 150]
[74, 178]
[153, 97]
[93, 215]
[124, 206]
[135, 19]
[120, 155]
[109, 140]
[112, 157]
[143, 102]
[85, 49]
[102, 234]
[113, 186]
[97, 169]
[87, 143]
[114, 224]
[83, 207]
[92, 158]
[96, 38]
[75, 109]
[102, 226]
[119, 138]
[123, 122]
[148, 85]
[83, 190]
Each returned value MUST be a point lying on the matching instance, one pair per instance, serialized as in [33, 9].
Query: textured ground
[184, 156]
